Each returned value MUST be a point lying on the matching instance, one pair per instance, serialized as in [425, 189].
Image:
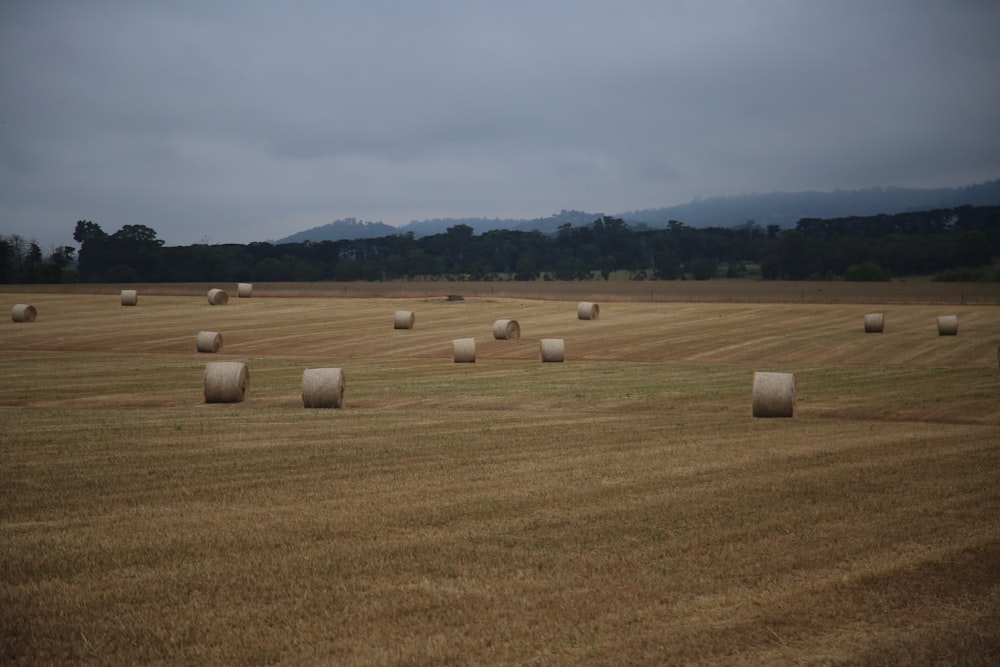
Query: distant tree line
[957, 244]
[22, 261]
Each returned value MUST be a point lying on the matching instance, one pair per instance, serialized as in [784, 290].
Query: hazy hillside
[774, 208]
[348, 228]
[786, 208]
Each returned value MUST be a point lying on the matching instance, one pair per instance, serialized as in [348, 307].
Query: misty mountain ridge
[775, 208]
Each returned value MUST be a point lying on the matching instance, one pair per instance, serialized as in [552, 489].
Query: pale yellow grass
[621, 508]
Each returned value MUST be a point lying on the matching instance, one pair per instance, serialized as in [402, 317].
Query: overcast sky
[239, 121]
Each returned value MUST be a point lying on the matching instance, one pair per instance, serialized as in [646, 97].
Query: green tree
[58, 267]
[790, 258]
[702, 268]
[668, 265]
[136, 247]
[95, 249]
[88, 231]
[867, 272]
[6, 261]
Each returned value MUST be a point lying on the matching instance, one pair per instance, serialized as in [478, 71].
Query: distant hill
[338, 230]
[787, 208]
[351, 228]
[774, 208]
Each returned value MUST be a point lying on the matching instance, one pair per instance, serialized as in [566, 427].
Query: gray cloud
[241, 121]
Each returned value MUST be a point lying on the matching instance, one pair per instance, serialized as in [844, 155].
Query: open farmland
[622, 507]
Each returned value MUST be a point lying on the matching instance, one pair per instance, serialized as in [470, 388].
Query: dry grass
[621, 509]
[715, 291]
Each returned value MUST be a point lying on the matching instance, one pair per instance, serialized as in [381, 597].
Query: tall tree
[94, 249]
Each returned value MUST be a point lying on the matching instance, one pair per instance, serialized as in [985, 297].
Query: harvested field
[620, 508]
[722, 291]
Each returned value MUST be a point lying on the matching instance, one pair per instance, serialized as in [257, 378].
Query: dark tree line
[958, 242]
[22, 261]
[915, 243]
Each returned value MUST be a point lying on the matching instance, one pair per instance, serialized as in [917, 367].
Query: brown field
[622, 507]
[724, 291]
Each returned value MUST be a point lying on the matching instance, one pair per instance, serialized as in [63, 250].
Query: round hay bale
[209, 341]
[947, 325]
[588, 311]
[773, 394]
[323, 388]
[464, 350]
[130, 297]
[874, 323]
[244, 290]
[403, 319]
[553, 350]
[504, 329]
[226, 382]
[23, 312]
[217, 297]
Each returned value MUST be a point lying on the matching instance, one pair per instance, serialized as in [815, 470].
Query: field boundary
[718, 291]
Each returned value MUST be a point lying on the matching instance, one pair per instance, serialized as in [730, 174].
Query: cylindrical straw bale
[773, 394]
[553, 350]
[874, 323]
[209, 341]
[226, 382]
[218, 297]
[244, 290]
[23, 312]
[323, 388]
[503, 329]
[403, 319]
[464, 350]
[130, 297]
[588, 311]
[947, 325]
